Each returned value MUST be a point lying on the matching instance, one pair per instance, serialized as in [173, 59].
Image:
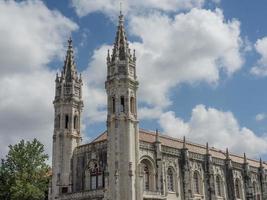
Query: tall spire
[69, 70]
[121, 48]
[227, 154]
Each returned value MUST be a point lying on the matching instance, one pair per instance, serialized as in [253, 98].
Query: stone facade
[128, 163]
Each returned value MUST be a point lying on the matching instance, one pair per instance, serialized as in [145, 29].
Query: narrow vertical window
[219, 186]
[93, 182]
[146, 178]
[122, 104]
[238, 188]
[132, 105]
[57, 122]
[196, 181]
[66, 121]
[113, 105]
[170, 179]
[75, 122]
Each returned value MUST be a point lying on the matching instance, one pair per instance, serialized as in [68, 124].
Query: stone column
[230, 183]
[209, 176]
[185, 172]
[247, 180]
[263, 183]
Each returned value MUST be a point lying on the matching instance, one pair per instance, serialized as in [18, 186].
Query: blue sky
[202, 67]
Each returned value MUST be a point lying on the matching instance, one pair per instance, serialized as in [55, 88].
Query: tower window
[75, 122]
[113, 105]
[57, 121]
[122, 104]
[132, 105]
[66, 121]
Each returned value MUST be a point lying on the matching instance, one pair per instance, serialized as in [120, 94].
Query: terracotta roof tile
[150, 137]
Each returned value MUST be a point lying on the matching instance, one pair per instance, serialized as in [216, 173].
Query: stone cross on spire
[69, 69]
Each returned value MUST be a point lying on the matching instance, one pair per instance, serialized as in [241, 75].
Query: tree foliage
[24, 174]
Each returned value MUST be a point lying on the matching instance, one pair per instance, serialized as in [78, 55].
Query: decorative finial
[157, 135]
[134, 56]
[70, 41]
[227, 154]
[108, 56]
[120, 8]
[184, 143]
[261, 164]
[245, 158]
[121, 15]
[207, 148]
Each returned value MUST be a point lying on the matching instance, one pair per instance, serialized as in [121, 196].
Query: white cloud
[31, 37]
[260, 116]
[111, 7]
[260, 69]
[189, 48]
[219, 128]
[94, 92]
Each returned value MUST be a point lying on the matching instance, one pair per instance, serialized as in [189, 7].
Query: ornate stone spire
[69, 69]
[261, 165]
[184, 143]
[245, 159]
[227, 154]
[207, 149]
[157, 136]
[121, 48]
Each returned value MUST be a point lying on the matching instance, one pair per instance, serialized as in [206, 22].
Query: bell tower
[68, 106]
[122, 122]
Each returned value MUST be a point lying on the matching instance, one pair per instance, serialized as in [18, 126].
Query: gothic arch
[238, 189]
[219, 186]
[197, 183]
[94, 175]
[148, 172]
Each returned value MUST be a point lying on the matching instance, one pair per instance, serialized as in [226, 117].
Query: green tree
[24, 174]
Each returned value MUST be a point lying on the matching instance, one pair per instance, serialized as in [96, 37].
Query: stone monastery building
[128, 163]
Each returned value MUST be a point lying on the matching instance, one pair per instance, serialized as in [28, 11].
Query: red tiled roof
[150, 137]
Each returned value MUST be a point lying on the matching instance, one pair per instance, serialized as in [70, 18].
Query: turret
[122, 122]
[68, 106]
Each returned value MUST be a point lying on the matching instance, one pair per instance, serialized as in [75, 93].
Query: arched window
[170, 179]
[96, 176]
[113, 105]
[146, 177]
[132, 105]
[219, 186]
[75, 122]
[66, 121]
[196, 182]
[238, 189]
[122, 104]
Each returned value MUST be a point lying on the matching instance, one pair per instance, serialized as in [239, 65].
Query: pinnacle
[69, 70]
